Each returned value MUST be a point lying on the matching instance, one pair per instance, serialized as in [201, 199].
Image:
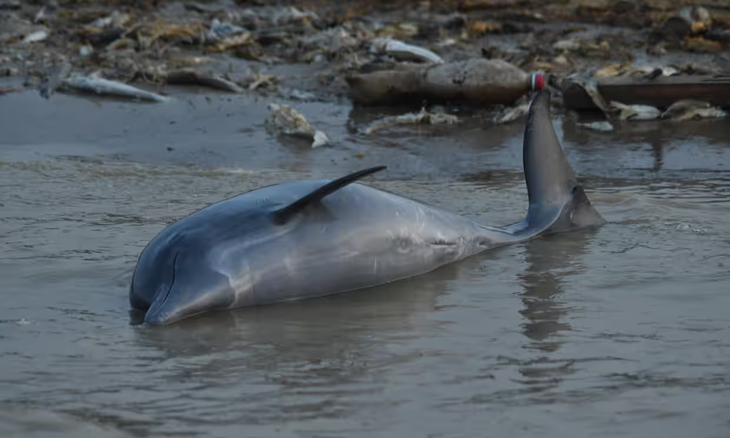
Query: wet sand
[621, 331]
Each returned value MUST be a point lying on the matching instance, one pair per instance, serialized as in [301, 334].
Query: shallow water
[620, 331]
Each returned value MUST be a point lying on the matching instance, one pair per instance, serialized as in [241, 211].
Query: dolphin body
[312, 238]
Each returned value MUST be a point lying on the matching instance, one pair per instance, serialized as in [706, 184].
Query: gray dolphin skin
[311, 238]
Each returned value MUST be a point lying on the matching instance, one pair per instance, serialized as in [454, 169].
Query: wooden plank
[659, 92]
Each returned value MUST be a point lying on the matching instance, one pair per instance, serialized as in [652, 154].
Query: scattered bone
[35, 37]
[284, 119]
[421, 118]
[635, 112]
[98, 85]
[190, 76]
[405, 52]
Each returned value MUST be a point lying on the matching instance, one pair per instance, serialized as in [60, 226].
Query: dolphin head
[176, 278]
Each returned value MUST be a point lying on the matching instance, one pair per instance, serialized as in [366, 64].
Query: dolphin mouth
[155, 314]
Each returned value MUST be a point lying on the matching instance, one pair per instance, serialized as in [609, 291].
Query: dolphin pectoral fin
[557, 202]
[282, 215]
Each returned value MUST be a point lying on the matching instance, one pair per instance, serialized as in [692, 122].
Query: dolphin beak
[183, 300]
[159, 313]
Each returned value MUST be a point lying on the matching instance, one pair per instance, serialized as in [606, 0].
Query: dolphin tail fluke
[557, 202]
[282, 215]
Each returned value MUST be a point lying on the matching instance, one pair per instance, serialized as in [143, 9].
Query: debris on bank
[643, 60]
[8, 90]
[511, 114]
[635, 112]
[660, 91]
[692, 109]
[405, 52]
[604, 126]
[476, 81]
[422, 117]
[193, 77]
[97, 85]
[285, 120]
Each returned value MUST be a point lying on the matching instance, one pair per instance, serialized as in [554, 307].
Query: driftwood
[476, 81]
[660, 92]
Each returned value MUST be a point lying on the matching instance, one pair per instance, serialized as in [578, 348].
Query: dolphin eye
[403, 244]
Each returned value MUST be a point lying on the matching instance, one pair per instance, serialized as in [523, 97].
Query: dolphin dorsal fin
[282, 215]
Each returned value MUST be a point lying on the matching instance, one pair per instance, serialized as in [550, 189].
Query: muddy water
[622, 331]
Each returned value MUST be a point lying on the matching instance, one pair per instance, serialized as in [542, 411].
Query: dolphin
[312, 238]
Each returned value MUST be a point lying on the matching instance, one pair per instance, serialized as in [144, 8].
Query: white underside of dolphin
[312, 238]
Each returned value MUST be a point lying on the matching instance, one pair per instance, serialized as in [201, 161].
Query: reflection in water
[270, 362]
[550, 260]
[657, 148]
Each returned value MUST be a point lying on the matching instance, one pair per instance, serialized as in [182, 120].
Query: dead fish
[688, 109]
[618, 69]
[635, 112]
[654, 71]
[8, 90]
[96, 84]
[405, 52]
[35, 37]
[189, 76]
[288, 121]
[421, 118]
[604, 126]
[590, 86]
[512, 114]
